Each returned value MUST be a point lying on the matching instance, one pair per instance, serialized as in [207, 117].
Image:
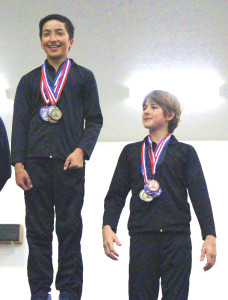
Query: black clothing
[5, 168]
[155, 255]
[64, 191]
[178, 171]
[43, 148]
[33, 137]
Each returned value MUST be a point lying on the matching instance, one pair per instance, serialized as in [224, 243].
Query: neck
[158, 135]
[56, 63]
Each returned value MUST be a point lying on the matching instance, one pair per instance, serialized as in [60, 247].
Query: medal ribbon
[52, 94]
[154, 155]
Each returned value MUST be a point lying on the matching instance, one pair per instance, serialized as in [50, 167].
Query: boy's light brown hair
[169, 103]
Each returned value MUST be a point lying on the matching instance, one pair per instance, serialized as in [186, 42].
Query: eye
[60, 32]
[144, 107]
[45, 34]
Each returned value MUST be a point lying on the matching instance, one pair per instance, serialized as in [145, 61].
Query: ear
[170, 116]
[71, 43]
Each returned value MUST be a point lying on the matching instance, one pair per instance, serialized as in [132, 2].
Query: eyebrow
[57, 29]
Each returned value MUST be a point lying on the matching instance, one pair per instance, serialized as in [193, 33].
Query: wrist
[211, 238]
[18, 166]
[107, 228]
[79, 151]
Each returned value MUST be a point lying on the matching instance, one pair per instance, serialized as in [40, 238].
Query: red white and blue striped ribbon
[154, 156]
[52, 94]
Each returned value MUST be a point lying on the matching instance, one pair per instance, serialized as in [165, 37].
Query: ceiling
[118, 40]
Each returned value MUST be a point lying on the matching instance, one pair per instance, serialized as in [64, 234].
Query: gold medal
[51, 120]
[144, 196]
[54, 113]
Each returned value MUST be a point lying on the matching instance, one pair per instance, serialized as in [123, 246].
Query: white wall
[104, 278]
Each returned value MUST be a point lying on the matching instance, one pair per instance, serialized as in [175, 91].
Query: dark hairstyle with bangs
[68, 24]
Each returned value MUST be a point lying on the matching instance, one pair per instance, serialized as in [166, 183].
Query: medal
[44, 113]
[54, 113]
[51, 94]
[144, 196]
[152, 186]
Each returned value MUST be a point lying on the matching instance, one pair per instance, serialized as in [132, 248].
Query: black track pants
[60, 193]
[155, 256]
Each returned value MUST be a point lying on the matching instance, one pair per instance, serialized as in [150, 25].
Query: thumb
[117, 241]
[67, 163]
[28, 180]
[202, 254]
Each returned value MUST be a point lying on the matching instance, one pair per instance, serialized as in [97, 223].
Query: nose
[53, 37]
[146, 110]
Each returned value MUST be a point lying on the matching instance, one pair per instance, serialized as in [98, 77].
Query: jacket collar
[172, 140]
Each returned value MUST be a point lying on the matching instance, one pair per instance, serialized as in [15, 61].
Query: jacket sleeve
[117, 193]
[92, 115]
[199, 196]
[5, 168]
[21, 115]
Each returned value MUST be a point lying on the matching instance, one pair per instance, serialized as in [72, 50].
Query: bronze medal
[144, 196]
[153, 185]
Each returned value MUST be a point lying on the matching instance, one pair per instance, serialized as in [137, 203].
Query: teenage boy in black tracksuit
[49, 146]
[5, 168]
[159, 222]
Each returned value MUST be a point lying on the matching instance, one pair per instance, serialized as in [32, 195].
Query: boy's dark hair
[169, 103]
[68, 24]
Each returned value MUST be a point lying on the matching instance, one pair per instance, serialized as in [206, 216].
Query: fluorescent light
[196, 89]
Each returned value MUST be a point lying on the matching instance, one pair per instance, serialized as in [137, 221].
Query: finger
[110, 251]
[202, 254]
[111, 255]
[209, 263]
[67, 163]
[213, 261]
[76, 165]
[208, 266]
[22, 186]
[28, 182]
[117, 241]
[113, 251]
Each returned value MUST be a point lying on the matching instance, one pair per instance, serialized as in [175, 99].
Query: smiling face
[55, 41]
[153, 117]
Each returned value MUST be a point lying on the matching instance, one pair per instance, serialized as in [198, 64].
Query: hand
[22, 178]
[109, 238]
[75, 160]
[209, 249]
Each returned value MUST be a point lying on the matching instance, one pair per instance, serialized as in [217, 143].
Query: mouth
[53, 46]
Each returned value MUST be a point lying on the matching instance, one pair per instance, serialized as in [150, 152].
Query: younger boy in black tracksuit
[159, 171]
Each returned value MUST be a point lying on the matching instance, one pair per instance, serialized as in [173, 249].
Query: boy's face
[55, 40]
[153, 117]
